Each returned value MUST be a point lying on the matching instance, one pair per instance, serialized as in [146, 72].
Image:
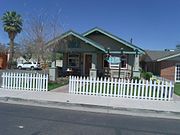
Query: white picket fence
[141, 89]
[25, 81]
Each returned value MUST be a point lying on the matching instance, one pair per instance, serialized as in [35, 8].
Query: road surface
[29, 120]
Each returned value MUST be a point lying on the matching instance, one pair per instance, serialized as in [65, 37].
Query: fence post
[111, 90]
[77, 84]
[139, 89]
[166, 91]
[97, 87]
[132, 86]
[124, 88]
[94, 85]
[84, 85]
[162, 90]
[142, 94]
[80, 85]
[108, 81]
[170, 91]
[104, 89]
[127, 92]
[3, 77]
[87, 85]
[101, 83]
[70, 84]
[115, 87]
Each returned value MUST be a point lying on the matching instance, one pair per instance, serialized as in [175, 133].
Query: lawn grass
[107, 90]
[54, 85]
[177, 89]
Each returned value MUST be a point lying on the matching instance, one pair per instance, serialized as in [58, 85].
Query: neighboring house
[3, 60]
[87, 54]
[33, 60]
[165, 64]
[21, 60]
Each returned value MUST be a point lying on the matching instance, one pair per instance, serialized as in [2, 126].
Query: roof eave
[76, 35]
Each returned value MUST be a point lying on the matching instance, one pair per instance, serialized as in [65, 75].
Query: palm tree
[12, 23]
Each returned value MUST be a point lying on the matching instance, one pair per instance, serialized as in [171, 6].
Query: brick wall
[167, 69]
[3, 61]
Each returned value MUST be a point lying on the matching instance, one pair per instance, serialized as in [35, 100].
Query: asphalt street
[29, 120]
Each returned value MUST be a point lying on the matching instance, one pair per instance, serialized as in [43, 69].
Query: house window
[177, 75]
[73, 60]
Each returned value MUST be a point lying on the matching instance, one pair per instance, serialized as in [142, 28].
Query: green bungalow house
[97, 53]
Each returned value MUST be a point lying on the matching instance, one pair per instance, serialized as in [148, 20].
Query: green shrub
[136, 78]
[146, 75]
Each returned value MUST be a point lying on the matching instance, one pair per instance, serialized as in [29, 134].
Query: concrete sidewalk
[64, 89]
[162, 109]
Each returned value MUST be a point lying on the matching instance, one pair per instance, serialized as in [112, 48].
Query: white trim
[168, 57]
[175, 78]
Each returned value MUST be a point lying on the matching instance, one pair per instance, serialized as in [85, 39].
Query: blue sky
[152, 24]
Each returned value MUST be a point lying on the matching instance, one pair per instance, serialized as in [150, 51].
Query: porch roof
[96, 29]
[86, 40]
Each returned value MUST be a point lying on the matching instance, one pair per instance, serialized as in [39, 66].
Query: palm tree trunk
[11, 53]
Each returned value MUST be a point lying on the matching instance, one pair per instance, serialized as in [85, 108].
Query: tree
[37, 31]
[3, 48]
[12, 23]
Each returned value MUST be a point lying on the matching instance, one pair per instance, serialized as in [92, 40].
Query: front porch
[96, 65]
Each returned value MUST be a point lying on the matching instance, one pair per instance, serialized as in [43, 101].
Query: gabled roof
[113, 37]
[86, 40]
[175, 54]
[155, 55]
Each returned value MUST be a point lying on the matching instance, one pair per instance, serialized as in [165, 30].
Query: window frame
[177, 72]
[77, 65]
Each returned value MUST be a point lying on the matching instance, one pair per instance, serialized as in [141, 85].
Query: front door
[88, 63]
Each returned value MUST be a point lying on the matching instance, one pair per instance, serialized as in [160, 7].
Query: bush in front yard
[136, 78]
[146, 75]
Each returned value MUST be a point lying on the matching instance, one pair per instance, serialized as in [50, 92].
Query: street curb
[93, 108]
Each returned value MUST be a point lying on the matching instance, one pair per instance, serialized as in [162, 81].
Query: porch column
[93, 70]
[136, 71]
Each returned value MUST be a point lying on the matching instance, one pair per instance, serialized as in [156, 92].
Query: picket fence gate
[25, 81]
[141, 89]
